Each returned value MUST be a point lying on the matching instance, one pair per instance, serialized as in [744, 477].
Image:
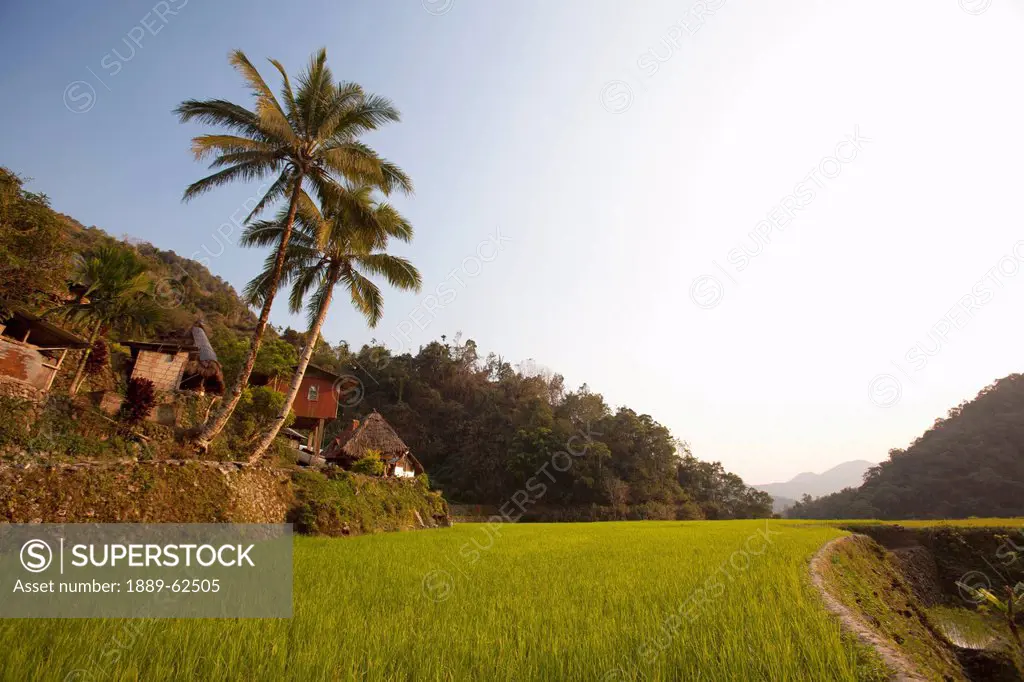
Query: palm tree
[114, 292]
[342, 245]
[313, 139]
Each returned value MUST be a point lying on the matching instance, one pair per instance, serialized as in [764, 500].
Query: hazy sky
[789, 231]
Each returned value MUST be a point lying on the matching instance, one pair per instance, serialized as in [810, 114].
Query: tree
[312, 139]
[114, 292]
[35, 258]
[342, 245]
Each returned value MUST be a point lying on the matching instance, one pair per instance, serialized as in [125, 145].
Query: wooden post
[55, 368]
[319, 437]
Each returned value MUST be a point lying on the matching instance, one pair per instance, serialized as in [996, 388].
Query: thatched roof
[374, 433]
[203, 368]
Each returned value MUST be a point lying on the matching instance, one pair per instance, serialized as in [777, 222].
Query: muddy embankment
[902, 592]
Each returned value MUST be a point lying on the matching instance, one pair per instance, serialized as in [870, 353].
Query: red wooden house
[314, 406]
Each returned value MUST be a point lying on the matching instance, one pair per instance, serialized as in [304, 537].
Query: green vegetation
[112, 288]
[714, 601]
[371, 464]
[337, 502]
[34, 257]
[312, 140]
[342, 245]
[865, 580]
[969, 464]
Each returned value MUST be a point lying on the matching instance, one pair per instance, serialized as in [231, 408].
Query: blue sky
[636, 162]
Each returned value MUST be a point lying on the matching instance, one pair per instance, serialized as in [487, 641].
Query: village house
[183, 362]
[32, 351]
[374, 434]
[314, 406]
[180, 362]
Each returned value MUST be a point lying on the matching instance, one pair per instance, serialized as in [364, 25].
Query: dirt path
[902, 668]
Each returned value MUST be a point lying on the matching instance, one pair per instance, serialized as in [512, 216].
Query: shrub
[256, 411]
[139, 402]
[369, 465]
[337, 502]
[15, 417]
[97, 358]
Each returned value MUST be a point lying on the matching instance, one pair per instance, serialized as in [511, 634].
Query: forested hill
[38, 244]
[487, 432]
[969, 464]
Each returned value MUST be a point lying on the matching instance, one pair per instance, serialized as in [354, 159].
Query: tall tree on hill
[114, 292]
[342, 245]
[312, 140]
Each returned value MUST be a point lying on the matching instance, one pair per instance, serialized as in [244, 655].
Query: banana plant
[1012, 606]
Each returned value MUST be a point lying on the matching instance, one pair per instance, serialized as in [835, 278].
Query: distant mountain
[845, 475]
[781, 504]
[970, 463]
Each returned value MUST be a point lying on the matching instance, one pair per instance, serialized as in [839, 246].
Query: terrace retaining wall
[172, 491]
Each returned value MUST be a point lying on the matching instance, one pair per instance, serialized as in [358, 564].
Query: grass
[610, 601]
[967, 628]
[860, 575]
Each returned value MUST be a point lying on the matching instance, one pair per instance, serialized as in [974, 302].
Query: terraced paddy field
[614, 601]
[724, 600]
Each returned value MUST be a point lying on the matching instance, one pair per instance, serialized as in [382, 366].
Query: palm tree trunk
[79, 379]
[300, 372]
[220, 419]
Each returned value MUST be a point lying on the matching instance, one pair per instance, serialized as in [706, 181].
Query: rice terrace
[616, 601]
[727, 600]
[444, 341]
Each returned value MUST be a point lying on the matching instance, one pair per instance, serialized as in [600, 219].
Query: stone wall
[144, 492]
[163, 369]
[12, 388]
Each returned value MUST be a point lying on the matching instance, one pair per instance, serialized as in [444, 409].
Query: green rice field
[613, 601]
[724, 600]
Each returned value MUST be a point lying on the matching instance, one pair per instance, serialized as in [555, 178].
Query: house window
[314, 393]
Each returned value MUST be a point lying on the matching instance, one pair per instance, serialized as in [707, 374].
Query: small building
[374, 434]
[32, 351]
[184, 362]
[314, 406]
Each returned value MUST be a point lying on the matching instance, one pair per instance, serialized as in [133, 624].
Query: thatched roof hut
[374, 434]
[192, 366]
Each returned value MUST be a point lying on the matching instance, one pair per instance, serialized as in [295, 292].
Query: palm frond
[246, 172]
[272, 119]
[219, 112]
[204, 145]
[399, 272]
[289, 98]
[366, 296]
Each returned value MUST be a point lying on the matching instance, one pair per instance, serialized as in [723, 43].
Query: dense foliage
[34, 256]
[492, 434]
[968, 464]
[336, 502]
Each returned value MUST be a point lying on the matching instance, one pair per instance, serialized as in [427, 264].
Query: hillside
[970, 463]
[845, 475]
[487, 432]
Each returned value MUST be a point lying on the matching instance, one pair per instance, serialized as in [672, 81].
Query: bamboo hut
[180, 362]
[374, 434]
